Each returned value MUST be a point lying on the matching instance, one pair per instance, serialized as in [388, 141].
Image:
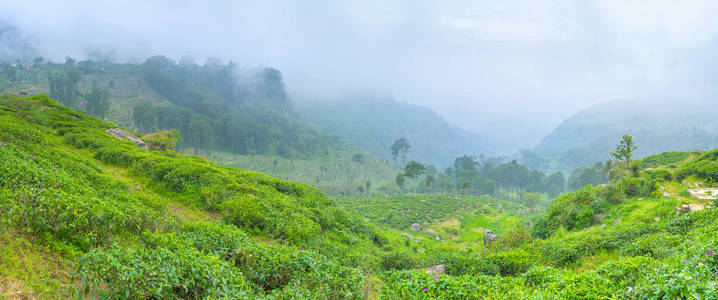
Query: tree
[163, 140]
[429, 182]
[531, 199]
[63, 85]
[400, 180]
[98, 100]
[368, 187]
[414, 169]
[465, 186]
[358, 158]
[199, 133]
[556, 184]
[399, 149]
[144, 116]
[624, 149]
[489, 187]
[360, 189]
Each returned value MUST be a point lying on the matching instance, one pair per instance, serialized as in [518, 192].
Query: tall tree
[414, 169]
[400, 149]
[145, 117]
[400, 180]
[199, 133]
[429, 182]
[624, 149]
[98, 100]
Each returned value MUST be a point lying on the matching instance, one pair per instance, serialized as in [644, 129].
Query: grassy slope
[336, 174]
[341, 178]
[76, 203]
[638, 248]
[69, 189]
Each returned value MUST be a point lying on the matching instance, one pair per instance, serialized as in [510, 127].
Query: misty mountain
[374, 123]
[214, 106]
[656, 126]
[13, 44]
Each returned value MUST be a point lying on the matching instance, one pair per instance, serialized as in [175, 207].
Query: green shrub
[398, 260]
[469, 264]
[121, 272]
[658, 245]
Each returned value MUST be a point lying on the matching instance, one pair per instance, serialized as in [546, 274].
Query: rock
[618, 220]
[437, 269]
[425, 224]
[126, 135]
[603, 225]
[657, 218]
[408, 236]
[639, 199]
[599, 217]
[420, 250]
[667, 195]
[704, 193]
[438, 238]
[683, 208]
[415, 227]
[429, 231]
[696, 207]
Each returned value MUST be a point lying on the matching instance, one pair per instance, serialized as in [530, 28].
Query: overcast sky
[514, 68]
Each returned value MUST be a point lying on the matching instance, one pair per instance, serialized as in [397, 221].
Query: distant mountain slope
[214, 106]
[374, 123]
[657, 126]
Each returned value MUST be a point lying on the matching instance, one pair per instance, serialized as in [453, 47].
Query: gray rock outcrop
[126, 135]
[415, 227]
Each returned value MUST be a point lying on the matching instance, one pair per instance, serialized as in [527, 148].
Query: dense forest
[214, 106]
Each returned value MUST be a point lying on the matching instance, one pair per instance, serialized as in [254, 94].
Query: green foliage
[120, 272]
[399, 211]
[414, 169]
[127, 219]
[399, 149]
[669, 159]
[98, 102]
[704, 167]
[624, 149]
[67, 182]
[163, 140]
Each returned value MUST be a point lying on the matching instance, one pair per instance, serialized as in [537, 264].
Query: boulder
[704, 193]
[415, 227]
[425, 224]
[429, 231]
[616, 221]
[437, 269]
[696, 207]
[408, 236]
[126, 135]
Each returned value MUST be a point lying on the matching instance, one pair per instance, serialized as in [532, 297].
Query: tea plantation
[86, 215]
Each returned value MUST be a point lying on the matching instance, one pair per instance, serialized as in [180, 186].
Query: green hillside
[106, 218]
[84, 214]
[215, 106]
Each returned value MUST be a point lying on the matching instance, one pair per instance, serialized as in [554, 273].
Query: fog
[510, 69]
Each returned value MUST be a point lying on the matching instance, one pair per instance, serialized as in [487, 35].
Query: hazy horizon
[510, 70]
